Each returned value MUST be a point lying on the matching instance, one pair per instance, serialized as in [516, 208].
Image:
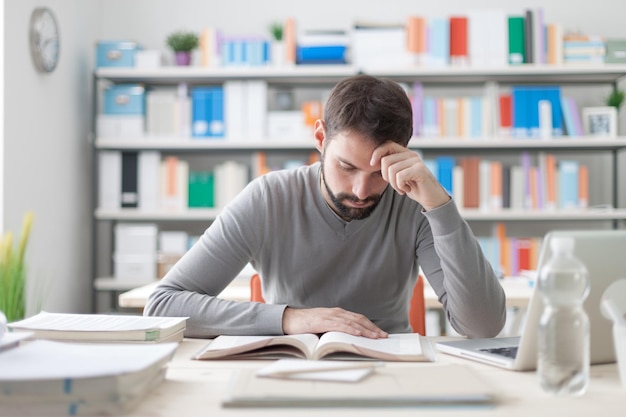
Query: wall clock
[44, 39]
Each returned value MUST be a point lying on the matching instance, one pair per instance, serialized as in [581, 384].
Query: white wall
[47, 118]
[47, 155]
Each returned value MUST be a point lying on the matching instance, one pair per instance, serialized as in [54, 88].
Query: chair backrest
[417, 310]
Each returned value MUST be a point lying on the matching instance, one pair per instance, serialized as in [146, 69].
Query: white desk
[194, 388]
[517, 294]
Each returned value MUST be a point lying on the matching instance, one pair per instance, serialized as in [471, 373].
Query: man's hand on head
[322, 320]
[406, 172]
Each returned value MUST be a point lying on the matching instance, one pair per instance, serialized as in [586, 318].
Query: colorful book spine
[516, 40]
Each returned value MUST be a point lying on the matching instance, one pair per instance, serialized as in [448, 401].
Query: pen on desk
[346, 367]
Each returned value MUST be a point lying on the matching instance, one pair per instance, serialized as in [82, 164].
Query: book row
[150, 182]
[239, 110]
[477, 37]
[477, 183]
[510, 256]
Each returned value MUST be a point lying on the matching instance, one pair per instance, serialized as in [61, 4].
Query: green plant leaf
[182, 41]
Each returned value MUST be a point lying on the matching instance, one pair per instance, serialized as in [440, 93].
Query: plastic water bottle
[563, 357]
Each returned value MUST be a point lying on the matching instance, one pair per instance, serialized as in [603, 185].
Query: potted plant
[277, 46]
[615, 99]
[13, 273]
[182, 42]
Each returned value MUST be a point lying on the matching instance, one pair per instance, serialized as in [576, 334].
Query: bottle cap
[562, 244]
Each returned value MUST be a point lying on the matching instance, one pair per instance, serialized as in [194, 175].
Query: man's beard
[346, 212]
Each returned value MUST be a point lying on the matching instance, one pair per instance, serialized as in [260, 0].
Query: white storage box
[136, 239]
[138, 269]
[116, 126]
[174, 242]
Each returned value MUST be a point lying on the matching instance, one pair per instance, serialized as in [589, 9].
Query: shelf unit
[314, 76]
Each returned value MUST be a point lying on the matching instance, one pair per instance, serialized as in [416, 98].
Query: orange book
[458, 40]
[171, 173]
[207, 47]
[441, 111]
[496, 185]
[289, 36]
[503, 242]
[312, 111]
[415, 31]
[551, 201]
[535, 246]
[462, 114]
[583, 186]
[260, 166]
[555, 44]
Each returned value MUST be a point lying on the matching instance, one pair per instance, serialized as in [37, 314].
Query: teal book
[201, 189]
[517, 42]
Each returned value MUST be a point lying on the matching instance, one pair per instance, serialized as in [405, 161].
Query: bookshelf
[323, 77]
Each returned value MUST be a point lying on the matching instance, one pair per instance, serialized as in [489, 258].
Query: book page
[397, 347]
[258, 346]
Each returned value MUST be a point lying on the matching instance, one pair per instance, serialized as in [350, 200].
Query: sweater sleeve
[191, 287]
[463, 279]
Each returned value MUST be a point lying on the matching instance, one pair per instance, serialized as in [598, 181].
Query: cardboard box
[116, 53]
[165, 262]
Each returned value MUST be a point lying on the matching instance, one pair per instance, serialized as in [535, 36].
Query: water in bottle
[563, 357]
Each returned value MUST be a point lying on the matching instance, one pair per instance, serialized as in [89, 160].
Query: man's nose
[361, 187]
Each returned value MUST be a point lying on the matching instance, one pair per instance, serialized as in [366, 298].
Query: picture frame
[600, 121]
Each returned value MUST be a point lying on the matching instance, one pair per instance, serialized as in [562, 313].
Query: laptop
[604, 254]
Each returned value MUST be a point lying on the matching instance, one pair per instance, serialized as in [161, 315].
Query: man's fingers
[321, 320]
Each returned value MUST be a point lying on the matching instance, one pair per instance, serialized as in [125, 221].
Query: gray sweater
[308, 257]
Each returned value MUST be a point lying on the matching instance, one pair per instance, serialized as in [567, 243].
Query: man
[338, 244]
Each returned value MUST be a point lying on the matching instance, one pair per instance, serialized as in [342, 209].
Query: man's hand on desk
[322, 320]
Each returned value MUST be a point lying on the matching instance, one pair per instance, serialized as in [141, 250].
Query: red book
[524, 246]
[458, 40]
[471, 190]
[506, 112]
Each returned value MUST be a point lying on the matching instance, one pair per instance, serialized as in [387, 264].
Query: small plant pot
[183, 58]
[278, 53]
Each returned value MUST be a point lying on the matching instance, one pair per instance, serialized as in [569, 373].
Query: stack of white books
[43, 377]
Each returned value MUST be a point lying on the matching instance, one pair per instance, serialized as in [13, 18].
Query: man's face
[351, 186]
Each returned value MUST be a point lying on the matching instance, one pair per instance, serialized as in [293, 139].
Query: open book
[103, 327]
[397, 347]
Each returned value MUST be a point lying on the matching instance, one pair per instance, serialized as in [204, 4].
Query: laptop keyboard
[509, 352]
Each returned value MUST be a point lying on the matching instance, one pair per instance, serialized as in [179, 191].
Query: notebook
[604, 254]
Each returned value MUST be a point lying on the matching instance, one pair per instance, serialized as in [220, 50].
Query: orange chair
[417, 310]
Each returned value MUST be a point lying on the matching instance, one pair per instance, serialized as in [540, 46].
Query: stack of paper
[58, 379]
[103, 327]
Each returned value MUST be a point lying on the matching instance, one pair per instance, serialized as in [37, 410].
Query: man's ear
[319, 133]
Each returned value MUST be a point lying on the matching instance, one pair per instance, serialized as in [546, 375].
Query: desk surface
[517, 293]
[196, 388]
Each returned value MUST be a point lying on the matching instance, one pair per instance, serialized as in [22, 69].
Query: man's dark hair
[376, 108]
